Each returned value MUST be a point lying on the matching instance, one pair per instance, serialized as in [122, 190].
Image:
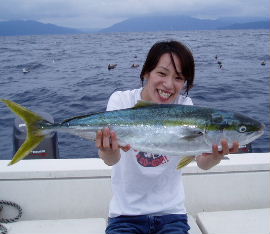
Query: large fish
[176, 130]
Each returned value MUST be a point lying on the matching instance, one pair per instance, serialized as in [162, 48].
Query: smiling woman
[168, 70]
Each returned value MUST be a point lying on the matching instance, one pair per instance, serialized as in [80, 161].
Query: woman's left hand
[208, 160]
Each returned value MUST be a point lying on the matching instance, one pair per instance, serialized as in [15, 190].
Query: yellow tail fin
[34, 136]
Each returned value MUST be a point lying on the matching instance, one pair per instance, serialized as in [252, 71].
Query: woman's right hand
[109, 149]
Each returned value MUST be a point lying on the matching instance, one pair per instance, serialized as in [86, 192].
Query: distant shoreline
[141, 24]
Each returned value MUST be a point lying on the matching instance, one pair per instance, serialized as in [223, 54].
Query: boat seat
[71, 226]
[235, 222]
[60, 226]
[194, 229]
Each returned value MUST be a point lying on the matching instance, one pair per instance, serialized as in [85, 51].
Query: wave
[31, 65]
[70, 77]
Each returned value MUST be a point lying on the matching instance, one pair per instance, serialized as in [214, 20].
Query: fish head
[233, 127]
[247, 129]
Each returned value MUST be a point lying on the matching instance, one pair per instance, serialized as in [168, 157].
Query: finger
[235, 147]
[215, 149]
[125, 148]
[225, 147]
[98, 138]
[114, 142]
[106, 138]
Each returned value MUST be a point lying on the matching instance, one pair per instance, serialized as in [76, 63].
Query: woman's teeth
[163, 94]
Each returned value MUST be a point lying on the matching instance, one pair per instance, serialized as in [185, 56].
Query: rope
[3, 229]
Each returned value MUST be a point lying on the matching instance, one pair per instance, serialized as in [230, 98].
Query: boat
[67, 196]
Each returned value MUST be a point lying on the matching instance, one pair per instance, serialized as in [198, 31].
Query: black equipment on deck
[47, 149]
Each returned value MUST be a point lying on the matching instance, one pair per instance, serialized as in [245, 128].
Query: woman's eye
[180, 78]
[161, 73]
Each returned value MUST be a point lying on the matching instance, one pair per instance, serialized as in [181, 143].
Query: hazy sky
[104, 13]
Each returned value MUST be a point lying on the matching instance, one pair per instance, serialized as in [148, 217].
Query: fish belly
[171, 141]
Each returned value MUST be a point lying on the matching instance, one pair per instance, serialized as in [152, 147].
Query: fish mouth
[251, 136]
[164, 95]
[261, 130]
[260, 133]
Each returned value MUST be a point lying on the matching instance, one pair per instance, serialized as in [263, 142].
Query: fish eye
[242, 129]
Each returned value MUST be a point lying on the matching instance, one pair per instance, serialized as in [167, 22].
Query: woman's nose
[168, 83]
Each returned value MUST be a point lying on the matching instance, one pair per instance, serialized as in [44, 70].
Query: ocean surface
[68, 76]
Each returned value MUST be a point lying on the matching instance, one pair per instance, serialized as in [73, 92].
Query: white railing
[80, 188]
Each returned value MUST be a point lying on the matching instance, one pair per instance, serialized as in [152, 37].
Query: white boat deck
[72, 195]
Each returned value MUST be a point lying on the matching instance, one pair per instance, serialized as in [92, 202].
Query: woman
[148, 193]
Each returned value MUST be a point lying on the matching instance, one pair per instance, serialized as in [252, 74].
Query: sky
[104, 13]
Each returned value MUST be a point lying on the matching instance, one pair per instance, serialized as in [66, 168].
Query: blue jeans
[147, 224]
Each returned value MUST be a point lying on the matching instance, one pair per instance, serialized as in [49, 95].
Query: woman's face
[163, 83]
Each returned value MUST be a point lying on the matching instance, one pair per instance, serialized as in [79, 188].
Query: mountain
[30, 27]
[139, 24]
[250, 25]
[89, 30]
[169, 23]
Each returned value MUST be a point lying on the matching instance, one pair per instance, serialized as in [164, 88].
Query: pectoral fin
[191, 133]
[185, 161]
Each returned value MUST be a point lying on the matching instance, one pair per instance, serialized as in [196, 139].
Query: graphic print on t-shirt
[151, 160]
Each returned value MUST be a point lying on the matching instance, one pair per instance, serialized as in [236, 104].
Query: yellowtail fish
[173, 130]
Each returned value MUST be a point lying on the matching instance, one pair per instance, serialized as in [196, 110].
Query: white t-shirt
[144, 183]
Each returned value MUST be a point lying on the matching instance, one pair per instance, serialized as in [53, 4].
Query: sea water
[67, 75]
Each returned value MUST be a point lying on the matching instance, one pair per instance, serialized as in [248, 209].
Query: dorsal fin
[142, 103]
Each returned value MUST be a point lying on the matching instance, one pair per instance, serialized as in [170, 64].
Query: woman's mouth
[164, 95]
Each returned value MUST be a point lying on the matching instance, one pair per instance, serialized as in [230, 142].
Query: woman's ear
[146, 75]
